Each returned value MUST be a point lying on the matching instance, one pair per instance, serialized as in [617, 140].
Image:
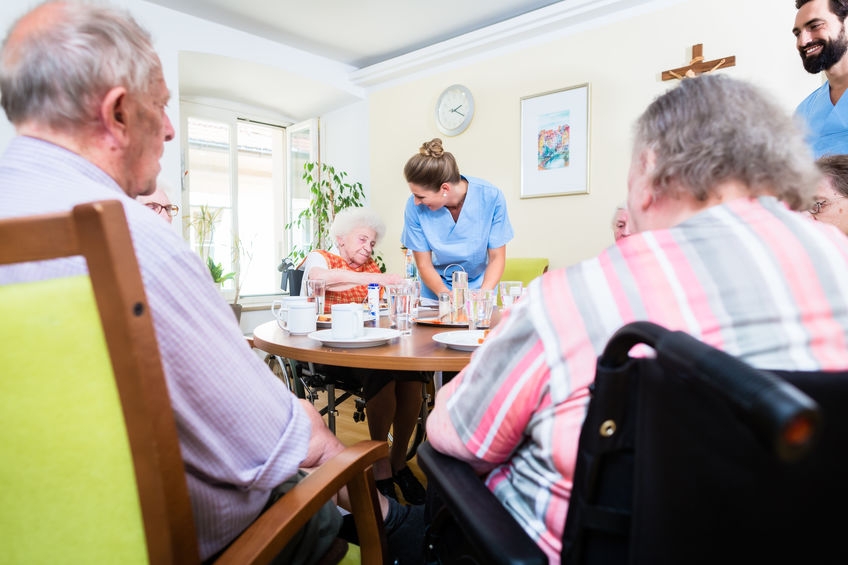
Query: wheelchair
[690, 456]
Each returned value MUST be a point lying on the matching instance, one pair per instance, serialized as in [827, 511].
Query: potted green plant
[203, 223]
[329, 192]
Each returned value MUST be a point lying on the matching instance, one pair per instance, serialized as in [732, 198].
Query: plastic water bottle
[374, 301]
[411, 267]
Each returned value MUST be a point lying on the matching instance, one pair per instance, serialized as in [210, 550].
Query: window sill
[260, 302]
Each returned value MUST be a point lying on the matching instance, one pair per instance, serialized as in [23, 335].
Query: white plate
[371, 338]
[462, 341]
[445, 324]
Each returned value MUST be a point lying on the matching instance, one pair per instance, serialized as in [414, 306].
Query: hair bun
[432, 148]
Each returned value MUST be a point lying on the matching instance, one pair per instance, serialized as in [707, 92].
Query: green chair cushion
[524, 269]
[69, 493]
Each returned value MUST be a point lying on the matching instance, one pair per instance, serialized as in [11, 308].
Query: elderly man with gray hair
[718, 172]
[84, 88]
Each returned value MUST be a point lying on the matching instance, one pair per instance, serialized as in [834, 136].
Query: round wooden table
[415, 352]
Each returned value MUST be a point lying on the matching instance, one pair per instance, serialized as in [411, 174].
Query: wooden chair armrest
[267, 536]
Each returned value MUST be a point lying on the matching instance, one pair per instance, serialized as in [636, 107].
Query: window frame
[281, 192]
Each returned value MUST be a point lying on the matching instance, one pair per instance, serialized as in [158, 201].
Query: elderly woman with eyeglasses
[159, 202]
[831, 201]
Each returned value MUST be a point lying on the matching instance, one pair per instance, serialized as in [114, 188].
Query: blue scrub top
[827, 123]
[483, 224]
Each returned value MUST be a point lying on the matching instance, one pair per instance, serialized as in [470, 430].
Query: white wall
[344, 142]
[622, 61]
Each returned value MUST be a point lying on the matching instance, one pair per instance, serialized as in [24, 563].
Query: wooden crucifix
[698, 66]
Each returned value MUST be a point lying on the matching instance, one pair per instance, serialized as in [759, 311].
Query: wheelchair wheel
[417, 437]
[420, 433]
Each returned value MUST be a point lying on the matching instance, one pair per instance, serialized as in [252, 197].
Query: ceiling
[359, 34]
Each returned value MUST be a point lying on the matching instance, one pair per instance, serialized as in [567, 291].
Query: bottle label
[374, 300]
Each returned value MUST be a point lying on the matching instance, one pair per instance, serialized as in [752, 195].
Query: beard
[832, 51]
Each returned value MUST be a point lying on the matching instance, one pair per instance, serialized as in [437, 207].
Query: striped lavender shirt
[750, 277]
[241, 431]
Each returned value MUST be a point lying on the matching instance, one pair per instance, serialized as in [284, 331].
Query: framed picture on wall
[555, 143]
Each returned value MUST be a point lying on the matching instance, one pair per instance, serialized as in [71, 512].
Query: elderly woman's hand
[390, 278]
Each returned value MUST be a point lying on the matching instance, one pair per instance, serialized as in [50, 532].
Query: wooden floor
[350, 431]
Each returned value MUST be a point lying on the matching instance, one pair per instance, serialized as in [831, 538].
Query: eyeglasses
[170, 209]
[818, 205]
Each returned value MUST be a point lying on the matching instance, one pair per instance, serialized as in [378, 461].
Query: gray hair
[835, 167]
[350, 219]
[712, 128]
[58, 73]
[618, 208]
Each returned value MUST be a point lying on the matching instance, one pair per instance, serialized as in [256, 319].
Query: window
[302, 149]
[237, 196]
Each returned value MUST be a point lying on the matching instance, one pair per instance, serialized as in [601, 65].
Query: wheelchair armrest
[487, 525]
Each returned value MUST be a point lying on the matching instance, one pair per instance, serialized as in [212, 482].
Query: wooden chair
[92, 469]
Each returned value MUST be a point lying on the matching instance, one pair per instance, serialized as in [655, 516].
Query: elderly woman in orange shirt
[393, 399]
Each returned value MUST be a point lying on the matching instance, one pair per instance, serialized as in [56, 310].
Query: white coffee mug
[280, 308]
[348, 321]
[301, 318]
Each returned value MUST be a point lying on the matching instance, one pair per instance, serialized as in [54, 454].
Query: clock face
[454, 110]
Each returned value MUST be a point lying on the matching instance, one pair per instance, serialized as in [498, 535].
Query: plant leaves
[217, 270]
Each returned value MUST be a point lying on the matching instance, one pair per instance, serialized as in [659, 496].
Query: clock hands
[456, 110]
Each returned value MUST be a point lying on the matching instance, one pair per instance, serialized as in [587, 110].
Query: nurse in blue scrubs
[453, 222]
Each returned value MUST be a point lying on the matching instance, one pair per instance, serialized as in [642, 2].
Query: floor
[350, 431]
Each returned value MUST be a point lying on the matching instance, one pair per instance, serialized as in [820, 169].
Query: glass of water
[416, 295]
[479, 305]
[510, 292]
[401, 296]
[315, 293]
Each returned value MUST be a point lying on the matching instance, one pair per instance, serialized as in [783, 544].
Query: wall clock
[454, 110]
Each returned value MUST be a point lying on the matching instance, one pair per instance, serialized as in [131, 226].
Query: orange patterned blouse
[356, 294]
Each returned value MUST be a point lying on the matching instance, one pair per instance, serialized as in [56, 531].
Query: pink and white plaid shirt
[750, 277]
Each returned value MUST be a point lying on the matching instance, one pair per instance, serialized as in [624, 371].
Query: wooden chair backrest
[92, 467]
[92, 470]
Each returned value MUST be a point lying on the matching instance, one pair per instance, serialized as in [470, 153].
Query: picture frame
[555, 142]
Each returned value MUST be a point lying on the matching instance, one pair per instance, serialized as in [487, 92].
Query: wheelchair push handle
[783, 417]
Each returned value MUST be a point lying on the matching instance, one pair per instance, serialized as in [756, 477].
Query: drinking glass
[510, 292]
[400, 306]
[479, 305]
[315, 293]
[416, 295]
